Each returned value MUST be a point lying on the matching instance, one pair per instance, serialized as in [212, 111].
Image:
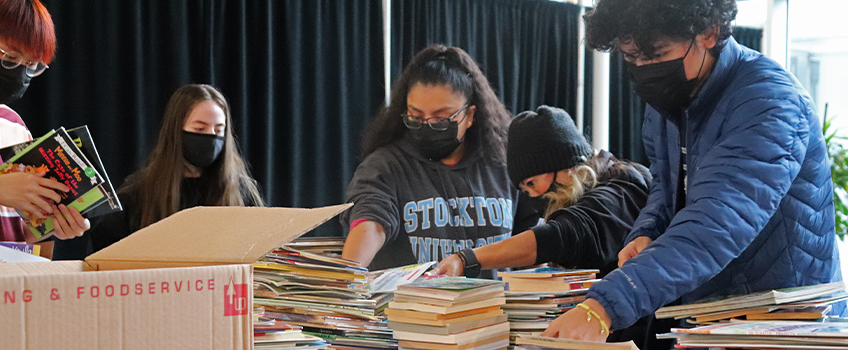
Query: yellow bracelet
[590, 313]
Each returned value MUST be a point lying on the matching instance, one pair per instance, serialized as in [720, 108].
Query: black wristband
[472, 267]
[461, 256]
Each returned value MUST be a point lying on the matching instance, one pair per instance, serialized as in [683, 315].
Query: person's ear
[469, 119]
[709, 37]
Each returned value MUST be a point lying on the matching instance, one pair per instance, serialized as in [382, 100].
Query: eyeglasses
[435, 123]
[12, 60]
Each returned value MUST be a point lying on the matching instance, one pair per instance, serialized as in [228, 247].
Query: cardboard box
[185, 282]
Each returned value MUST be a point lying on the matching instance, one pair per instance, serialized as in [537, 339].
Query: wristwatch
[472, 267]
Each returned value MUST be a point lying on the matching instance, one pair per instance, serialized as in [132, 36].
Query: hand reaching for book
[68, 222]
[451, 266]
[590, 323]
[30, 192]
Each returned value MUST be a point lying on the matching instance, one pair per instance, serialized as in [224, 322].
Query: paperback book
[754, 300]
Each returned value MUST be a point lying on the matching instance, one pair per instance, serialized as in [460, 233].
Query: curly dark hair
[643, 22]
[451, 66]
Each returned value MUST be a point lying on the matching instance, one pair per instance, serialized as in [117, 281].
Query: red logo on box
[235, 299]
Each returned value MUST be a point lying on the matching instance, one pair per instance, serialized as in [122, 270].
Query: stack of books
[536, 297]
[329, 297]
[273, 334]
[531, 342]
[765, 335]
[449, 313]
[326, 296]
[801, 303]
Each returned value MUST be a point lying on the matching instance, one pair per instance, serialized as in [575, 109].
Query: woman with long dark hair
[195, 162]
[434, 179]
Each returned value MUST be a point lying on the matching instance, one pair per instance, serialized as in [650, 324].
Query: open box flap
[212, 236]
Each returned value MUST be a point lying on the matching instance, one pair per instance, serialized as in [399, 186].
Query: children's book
[82, 138]
[758, 299]
[57, 155]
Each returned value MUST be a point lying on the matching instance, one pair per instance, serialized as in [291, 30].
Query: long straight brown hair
[226, 182]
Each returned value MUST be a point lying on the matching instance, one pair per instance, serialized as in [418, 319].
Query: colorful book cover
[60, 159]
[82, 138]
[386, 281]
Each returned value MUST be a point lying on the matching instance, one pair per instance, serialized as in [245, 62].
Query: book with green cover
[82, 138]
[57, 155]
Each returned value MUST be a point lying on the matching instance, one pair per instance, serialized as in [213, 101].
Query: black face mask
[434, 144]
[540, 203]
[664, 85]
[201, 150]
[13, 83]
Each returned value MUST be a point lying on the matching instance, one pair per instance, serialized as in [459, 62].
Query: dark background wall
[302, 78]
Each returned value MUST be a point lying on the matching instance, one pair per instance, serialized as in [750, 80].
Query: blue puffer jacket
[759, 209]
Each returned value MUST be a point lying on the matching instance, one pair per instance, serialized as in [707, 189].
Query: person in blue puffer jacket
[742, 197]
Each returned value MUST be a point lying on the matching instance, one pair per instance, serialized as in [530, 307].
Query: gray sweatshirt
[430, 210]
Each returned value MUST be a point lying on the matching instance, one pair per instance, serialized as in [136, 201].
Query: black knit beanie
[544, 141]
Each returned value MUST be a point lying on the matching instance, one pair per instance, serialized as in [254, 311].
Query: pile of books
[532, 342]
[326, 296]
[536, 297]
[766, 335]
[69, 157]
[273, 334]
[329, 297]
[800, 303]
[449, 313]
[764, 320]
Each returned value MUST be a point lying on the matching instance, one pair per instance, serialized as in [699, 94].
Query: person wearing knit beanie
[590, 201]
[544, 141]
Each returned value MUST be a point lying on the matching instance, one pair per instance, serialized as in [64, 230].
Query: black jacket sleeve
[72, 249]
[590, 233]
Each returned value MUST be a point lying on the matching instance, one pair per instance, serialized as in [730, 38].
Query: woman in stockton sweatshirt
[434, 180]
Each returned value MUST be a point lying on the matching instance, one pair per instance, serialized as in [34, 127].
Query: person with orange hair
[27, 45]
